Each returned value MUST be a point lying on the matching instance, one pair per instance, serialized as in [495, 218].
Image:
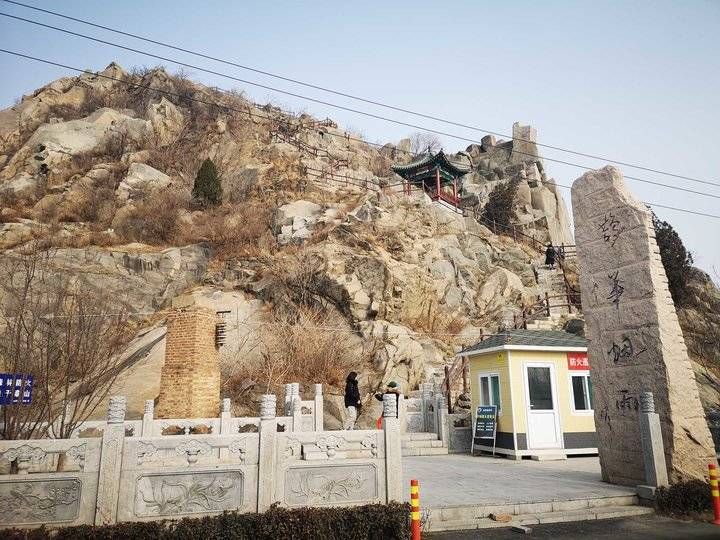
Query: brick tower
[190, 377]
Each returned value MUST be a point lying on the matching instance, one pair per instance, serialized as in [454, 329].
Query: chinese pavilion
[436, 175]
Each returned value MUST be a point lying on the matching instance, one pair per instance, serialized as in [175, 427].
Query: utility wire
[340, 107]
[357, 98]
[251, 114]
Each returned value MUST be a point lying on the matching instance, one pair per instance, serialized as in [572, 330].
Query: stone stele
[635, 341]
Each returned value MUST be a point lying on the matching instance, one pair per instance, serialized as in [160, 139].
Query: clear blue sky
[635, 81]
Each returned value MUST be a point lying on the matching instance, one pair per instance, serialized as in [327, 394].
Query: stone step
[442, 451]
[606, 512]
[422, 444]
[420, 436]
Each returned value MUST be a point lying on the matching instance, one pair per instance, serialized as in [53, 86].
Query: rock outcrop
[312, 220]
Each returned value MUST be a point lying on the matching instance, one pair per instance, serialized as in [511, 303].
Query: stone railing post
[288, 399]
[296, 410]
[113, 439]
[652, 446]
[393, 449]
[225, 416]
[148, 418]
[442, 419]
[319, 409]
[402, 413]
[266, 463]
[426, 391]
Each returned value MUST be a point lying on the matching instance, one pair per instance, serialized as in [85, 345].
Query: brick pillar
[190, 377]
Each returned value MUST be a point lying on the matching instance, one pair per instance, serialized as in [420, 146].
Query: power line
[340, 107]
[357, 98]
[251, 114]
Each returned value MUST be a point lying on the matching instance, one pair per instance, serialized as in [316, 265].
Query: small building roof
[428, 160]
[528, 340]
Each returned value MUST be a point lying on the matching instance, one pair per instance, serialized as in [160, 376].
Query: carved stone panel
[319, 486]
[460, 440]
[188, 493]
[39, 501]
[414, 422]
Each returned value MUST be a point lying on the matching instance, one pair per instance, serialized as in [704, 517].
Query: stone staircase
[545, 323]
[456, 518]
[552, 282]
[422, 444]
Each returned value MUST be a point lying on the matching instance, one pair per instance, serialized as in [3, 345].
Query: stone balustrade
[148, 475]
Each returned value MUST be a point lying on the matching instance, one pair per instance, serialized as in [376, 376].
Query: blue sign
[15, 388]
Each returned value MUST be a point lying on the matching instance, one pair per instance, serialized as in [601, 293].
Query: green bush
[369, 522]
[207, 190]
[684, 498]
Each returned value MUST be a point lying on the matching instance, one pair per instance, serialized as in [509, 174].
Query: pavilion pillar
[437, 182]
[455, 192]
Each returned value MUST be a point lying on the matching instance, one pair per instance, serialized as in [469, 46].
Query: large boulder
[500, 288]
[140, 179]
[167, 121]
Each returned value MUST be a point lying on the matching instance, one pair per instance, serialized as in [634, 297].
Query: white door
[542, 407]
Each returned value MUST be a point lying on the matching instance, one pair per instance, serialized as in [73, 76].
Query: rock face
[636, 344]
[142, 278]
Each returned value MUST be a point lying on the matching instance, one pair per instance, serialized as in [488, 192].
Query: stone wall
[190, 377]
[635, 341]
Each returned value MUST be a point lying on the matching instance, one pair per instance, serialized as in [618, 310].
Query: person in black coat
[352, 400]
[550, 256]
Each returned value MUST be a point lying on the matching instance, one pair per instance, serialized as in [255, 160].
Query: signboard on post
[15, 388]
[485, 427]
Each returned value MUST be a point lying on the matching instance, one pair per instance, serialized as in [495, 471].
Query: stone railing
[299, 415]
[116, 477]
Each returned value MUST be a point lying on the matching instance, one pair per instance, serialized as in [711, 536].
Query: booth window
[490, 390]
[582, 392]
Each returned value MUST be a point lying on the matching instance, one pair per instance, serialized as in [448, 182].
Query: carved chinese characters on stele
[635, 341]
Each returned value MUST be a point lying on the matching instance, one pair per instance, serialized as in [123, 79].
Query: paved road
[637, 528]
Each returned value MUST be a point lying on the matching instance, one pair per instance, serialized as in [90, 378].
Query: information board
[485, 425]
[15, 388]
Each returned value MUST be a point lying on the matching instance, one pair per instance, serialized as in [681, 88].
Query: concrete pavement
[461, 492]
[462, 479]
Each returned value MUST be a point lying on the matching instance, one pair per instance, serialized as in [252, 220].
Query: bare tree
[54, 327]
[421, 142]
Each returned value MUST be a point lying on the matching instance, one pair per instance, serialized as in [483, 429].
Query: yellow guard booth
[540, 382]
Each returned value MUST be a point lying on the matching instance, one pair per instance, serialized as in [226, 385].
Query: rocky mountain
[319, 260]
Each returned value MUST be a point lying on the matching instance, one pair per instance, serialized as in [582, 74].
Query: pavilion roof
[429, 160]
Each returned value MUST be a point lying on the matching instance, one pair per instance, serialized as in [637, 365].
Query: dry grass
[153, 220]
[304, 347]
[241, 230]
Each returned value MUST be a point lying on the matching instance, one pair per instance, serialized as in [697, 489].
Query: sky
[637, 82]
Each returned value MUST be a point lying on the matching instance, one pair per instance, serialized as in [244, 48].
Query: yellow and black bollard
[414, 510]
[714, 491]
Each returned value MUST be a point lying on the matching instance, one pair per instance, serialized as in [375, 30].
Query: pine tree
[675, 258]
[207, 190]
[500, 208]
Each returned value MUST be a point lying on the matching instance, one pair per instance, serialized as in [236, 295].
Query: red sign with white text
[578, 361]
